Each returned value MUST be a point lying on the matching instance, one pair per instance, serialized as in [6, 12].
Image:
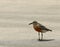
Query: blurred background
[15, 15]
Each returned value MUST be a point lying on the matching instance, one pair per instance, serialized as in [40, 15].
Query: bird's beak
[30, 23]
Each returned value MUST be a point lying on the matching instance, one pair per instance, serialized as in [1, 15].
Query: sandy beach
[15, 15]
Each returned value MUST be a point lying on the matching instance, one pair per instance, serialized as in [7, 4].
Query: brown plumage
[39, 28]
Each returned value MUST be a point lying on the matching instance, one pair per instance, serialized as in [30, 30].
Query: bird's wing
[44, 28]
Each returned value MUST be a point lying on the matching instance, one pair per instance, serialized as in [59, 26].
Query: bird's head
[34, 23]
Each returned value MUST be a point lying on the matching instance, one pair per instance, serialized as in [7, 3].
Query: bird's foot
[40, 39]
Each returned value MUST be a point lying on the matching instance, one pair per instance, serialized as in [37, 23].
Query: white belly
[44, 31]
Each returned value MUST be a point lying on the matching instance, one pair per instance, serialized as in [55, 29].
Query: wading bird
[39, 28]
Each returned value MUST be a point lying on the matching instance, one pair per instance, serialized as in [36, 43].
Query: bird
[40, 29]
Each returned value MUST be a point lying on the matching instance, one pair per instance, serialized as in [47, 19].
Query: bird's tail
[49, 30]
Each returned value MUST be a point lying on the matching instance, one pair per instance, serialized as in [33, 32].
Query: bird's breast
[37, 28]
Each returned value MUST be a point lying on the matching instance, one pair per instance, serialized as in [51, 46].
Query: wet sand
[15, 15]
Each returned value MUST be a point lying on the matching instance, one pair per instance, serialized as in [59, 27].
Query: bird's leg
[41, 36]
